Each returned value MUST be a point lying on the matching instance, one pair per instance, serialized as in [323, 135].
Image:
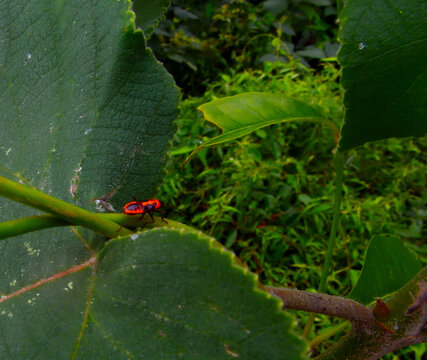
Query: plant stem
[61, 209]
[33, 223]
[339, 164]
[25, 225]
[335, 222]
[323, 304]
[339, 6]
[332, 331]
[328, 333]
[408, 326]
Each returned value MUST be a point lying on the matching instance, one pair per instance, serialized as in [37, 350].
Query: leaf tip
[194, 152]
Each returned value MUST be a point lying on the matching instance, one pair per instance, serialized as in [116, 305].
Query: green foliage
[383, 90]
[268, 198]
[201, 40]
[242, 114]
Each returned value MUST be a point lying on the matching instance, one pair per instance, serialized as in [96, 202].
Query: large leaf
[149, 13]
[163, 294]
[86, 111]
[242, 114]
[388, 266]
[384, 70]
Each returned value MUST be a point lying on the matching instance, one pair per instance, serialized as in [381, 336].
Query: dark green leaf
[163, 294]
[149, 13]
[388, 266]
[384, 70]
[86, 110]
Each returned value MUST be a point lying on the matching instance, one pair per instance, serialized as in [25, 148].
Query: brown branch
[403, 319]
[324, 304]
[406, 316]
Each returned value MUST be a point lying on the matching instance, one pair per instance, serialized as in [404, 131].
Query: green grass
[268, 196]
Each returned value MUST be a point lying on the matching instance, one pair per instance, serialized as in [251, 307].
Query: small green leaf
[149, 13]
[388, 266]
[242, 114]
[384, 70]
[162, 294]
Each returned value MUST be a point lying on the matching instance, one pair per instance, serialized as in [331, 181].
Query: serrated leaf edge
[234, 262]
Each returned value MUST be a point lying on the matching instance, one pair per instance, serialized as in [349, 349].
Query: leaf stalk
[59, 208]
[339, 165]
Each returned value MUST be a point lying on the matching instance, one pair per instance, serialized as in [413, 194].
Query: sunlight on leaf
[242, 114]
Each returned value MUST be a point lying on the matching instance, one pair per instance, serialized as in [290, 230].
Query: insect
[143, 207]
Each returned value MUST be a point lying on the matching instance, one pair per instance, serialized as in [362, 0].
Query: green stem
[33, 223]
[339, 163]
[335, 222]
[61, 209]
[328, 333]
[22, 226]
[339, 6]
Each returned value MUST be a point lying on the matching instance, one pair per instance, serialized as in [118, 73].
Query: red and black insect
[143, 207]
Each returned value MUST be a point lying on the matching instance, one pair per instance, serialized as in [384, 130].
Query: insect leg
[151, 215]
[163, 214]
[133, 222]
